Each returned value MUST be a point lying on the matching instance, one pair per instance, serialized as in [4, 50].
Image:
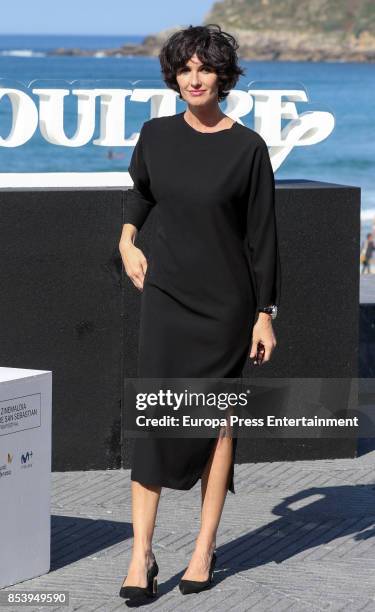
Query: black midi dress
[214, 260]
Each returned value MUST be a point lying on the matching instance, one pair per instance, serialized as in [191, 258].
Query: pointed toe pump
[134, 592]
[195, 586]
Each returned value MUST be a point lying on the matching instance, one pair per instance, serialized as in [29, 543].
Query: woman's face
[198, 82]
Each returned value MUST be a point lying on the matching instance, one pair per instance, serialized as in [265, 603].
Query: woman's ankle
[205, 545]
[143, 552]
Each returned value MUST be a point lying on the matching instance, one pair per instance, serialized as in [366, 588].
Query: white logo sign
[44, 108]
[103, 111]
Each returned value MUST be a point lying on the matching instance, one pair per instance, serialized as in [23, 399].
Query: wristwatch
[272, 310]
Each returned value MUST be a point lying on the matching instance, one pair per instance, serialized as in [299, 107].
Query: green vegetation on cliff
[346, 16]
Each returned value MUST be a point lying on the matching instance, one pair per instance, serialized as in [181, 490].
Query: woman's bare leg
[214, 488]
[145, 501]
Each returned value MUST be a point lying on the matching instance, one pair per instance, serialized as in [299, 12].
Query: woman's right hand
[135, 263]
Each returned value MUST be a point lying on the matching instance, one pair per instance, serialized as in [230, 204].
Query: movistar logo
[26, 457]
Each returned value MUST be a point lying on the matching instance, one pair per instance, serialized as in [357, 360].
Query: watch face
[272, 310]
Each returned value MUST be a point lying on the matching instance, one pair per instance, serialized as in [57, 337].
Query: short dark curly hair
[213, 46]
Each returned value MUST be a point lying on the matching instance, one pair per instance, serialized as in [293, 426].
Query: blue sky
[99, 16]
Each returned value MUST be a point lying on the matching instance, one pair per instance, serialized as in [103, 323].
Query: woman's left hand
[263, 333]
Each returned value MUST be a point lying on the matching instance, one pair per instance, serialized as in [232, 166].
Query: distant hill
[295, 30]
[314, 16]
[315, 30]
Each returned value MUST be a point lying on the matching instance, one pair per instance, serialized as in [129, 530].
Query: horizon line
[62, 34]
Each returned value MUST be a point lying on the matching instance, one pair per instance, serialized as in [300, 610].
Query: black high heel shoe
[195, 586]
[133, 592]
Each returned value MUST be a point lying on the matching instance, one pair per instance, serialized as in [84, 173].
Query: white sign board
[25, 473]
[103, 111]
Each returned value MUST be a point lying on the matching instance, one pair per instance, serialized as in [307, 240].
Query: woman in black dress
[212, 285]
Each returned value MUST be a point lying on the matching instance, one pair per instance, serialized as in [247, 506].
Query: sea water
[344, 89]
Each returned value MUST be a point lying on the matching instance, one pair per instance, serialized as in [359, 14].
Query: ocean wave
[22, 53]
[101, 54]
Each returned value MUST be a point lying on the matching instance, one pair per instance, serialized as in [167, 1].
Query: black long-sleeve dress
[214, 259]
